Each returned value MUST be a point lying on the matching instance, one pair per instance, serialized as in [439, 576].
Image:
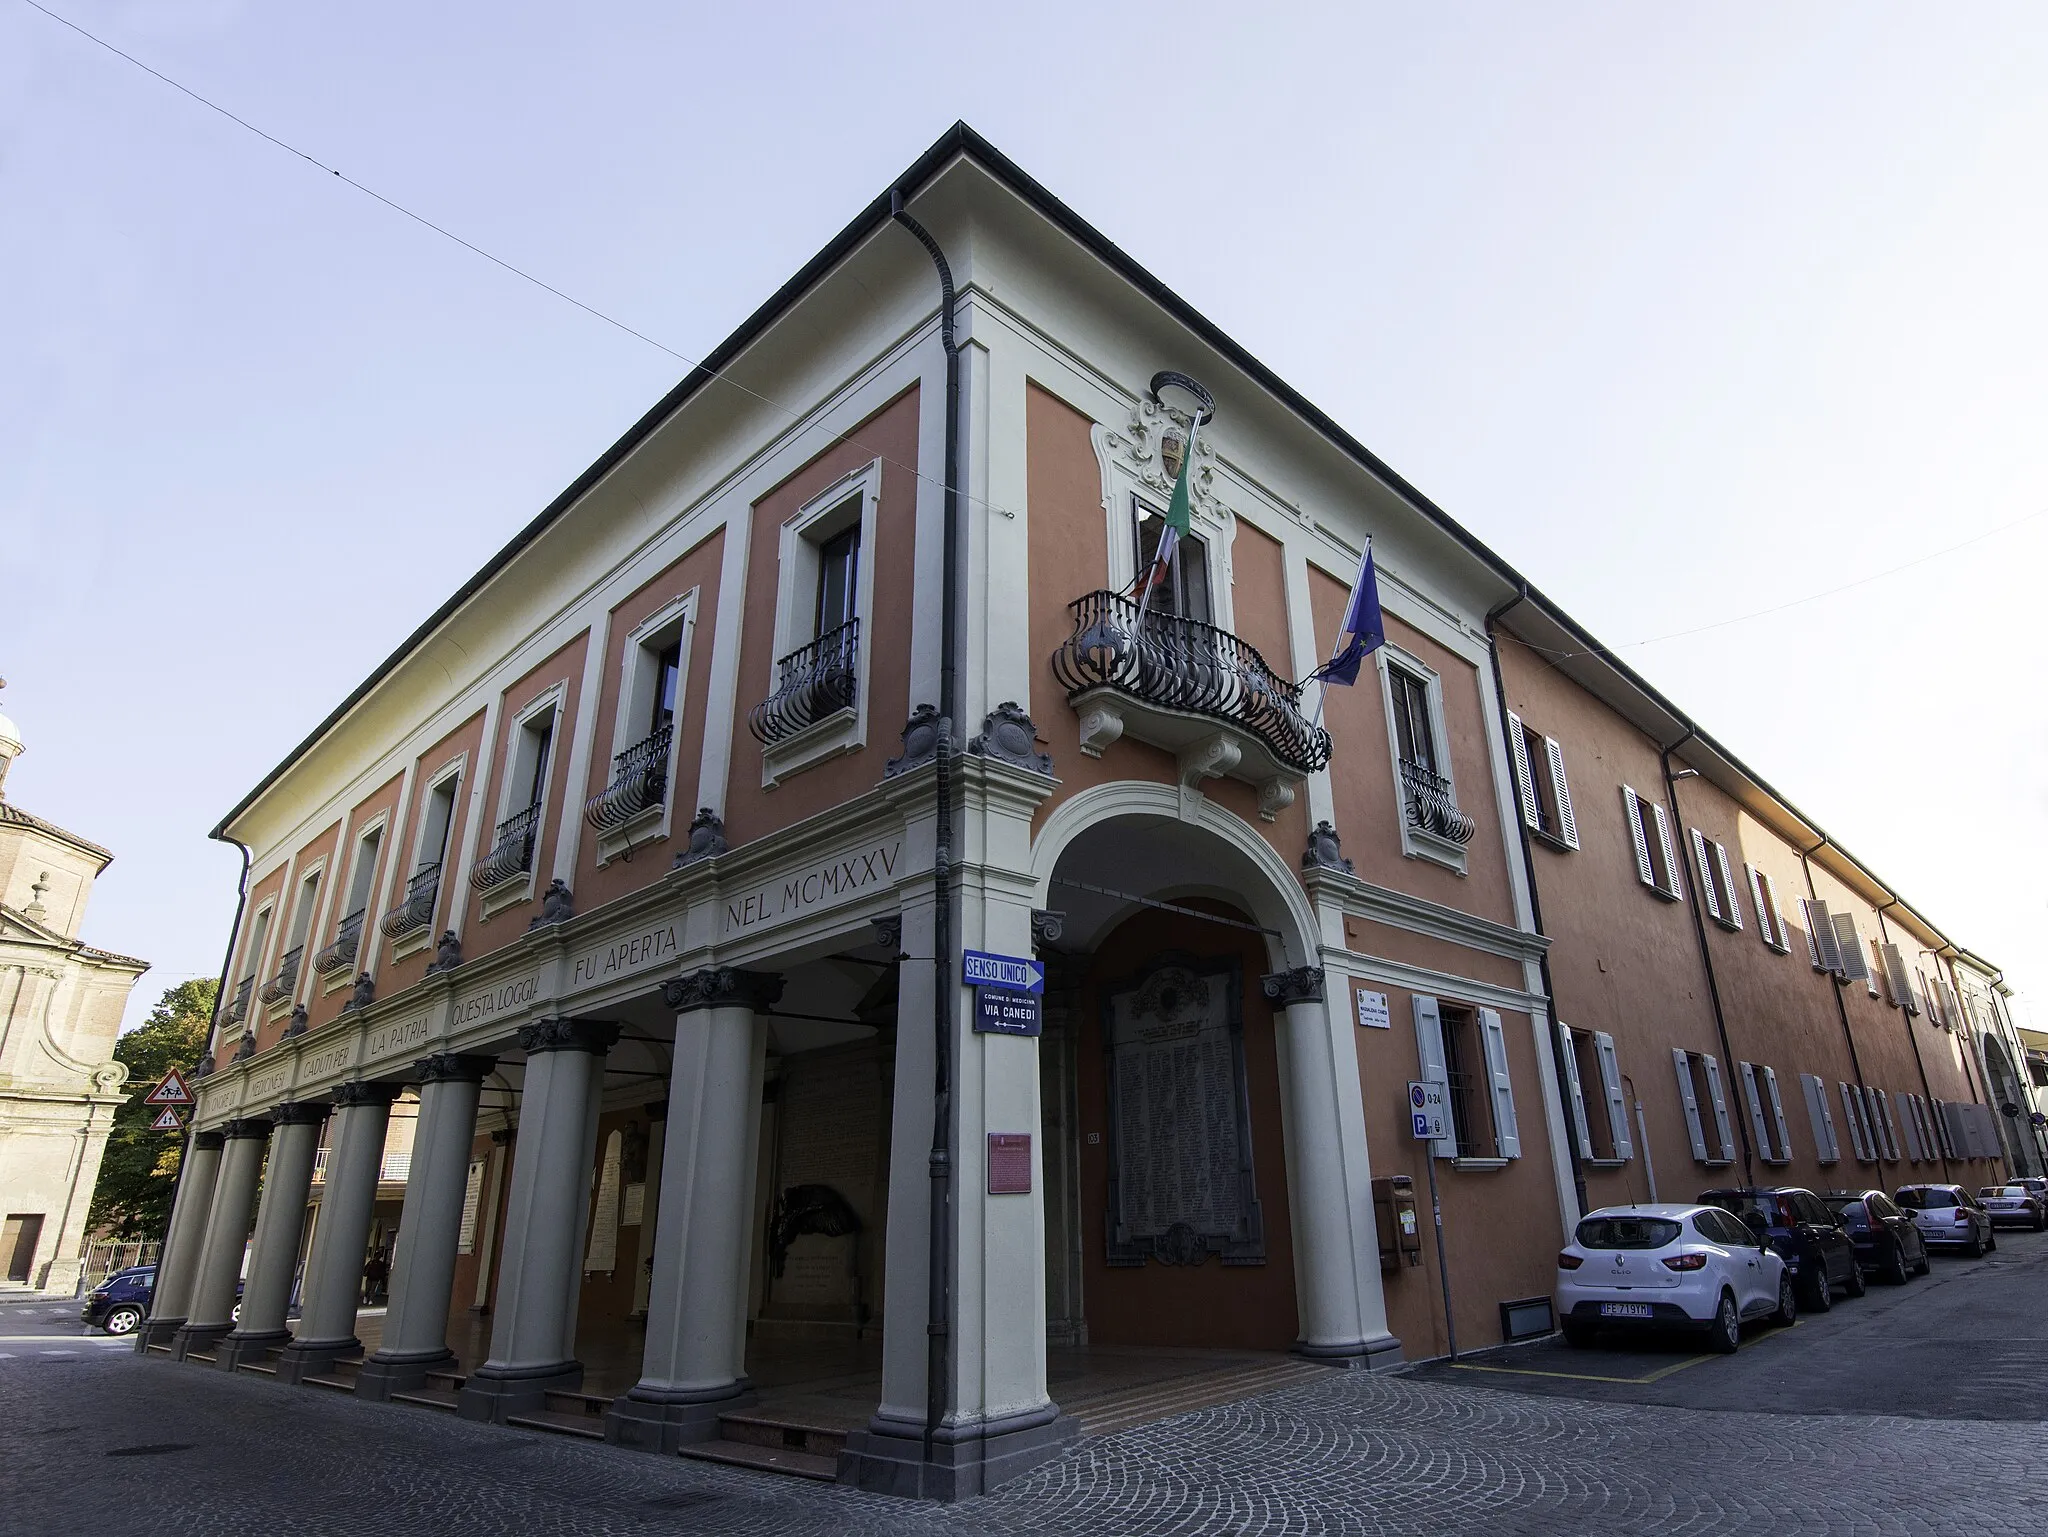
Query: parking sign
[1426, 1113]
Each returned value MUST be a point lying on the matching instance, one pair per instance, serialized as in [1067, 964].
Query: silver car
[2014, 1206]
[1948, 1217]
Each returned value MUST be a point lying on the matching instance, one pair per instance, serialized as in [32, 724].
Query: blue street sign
[1018, 973]
[998, 1011]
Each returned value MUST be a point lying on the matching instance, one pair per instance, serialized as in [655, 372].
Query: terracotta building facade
[650, 864]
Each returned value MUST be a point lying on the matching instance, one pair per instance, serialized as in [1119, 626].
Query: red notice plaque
[1009, 1163]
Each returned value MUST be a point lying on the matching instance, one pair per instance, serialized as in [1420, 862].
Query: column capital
[246, 1126]
[723, 987]
[444, 1066]
[208, 1141]
[1304, 984]
[592, 1035]
[362, 1091]
[299, 1112]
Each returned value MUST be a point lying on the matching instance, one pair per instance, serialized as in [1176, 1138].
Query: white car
[1669, 1267]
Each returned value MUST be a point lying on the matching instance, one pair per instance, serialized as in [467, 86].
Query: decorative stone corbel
[707, 838]
[1211, 757]
[889, 932]
[1304, 984]
[1101, 724]
[1275, 796]
[1009, 736]
[1047, 925]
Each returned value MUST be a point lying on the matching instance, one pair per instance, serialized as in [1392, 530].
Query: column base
[381, 1375]
[313, 1358]
[492, 1393]
[198, 1339]
[1375, 1354]
[235, 1348]
[651, 1420]
[156, 1331]
[967, 1460]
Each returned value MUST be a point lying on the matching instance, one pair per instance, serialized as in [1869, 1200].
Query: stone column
[694, 1366]
[429, 1229]
[179, 1263]
[650, 1205]
[334, 1267]
[533, 1332]
[210, 1314]
[1329, 1182]
[280, 1225]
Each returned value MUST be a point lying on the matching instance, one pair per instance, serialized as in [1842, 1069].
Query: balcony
[341, 955]
[279, 987]
[1432, 808]
[511, 854]
[417, 910]
[1197, 691]
[638, 785]
[236, 1007]
[812, 685]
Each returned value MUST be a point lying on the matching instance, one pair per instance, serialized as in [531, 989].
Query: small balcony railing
[341, 955]
[392, 1169]
[1182, 664]
[639, 780]
[810, 684]
[279, 987]
[232, 1011]
[417, 910]
[1431, 806]
[511, 852]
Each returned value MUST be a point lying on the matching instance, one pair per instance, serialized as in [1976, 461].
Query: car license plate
[1624, 1310]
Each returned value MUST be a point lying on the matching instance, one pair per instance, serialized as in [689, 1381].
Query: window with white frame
[1700, 1092]
[412, 917]
[1432, 826]
[817, 701]
[1599, 1104]
[505, 873]
[1766, 1109]
[257, 940]
[1649, 830]
[1185, 590]
[636, 804]
[1540, 784]
[337, 961]
[1827, 1145]
[1770, 918]
[1463, 1051]
[281, 986]
[1717, 882]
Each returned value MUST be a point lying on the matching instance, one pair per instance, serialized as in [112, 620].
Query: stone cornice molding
[544, 1035]
[1424, 979]
[723, 987]
[1381, 904]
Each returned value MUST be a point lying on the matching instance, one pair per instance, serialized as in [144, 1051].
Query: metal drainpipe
[939, 1296]
[1564, 1086]
[1926, 1088]
[1699, 930]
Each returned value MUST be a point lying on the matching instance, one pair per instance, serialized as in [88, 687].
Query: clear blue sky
[1688, 311]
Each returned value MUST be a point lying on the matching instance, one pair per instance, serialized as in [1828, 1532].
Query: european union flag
[1363, 631]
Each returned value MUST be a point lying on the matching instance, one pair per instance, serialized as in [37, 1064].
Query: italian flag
[1177, 511]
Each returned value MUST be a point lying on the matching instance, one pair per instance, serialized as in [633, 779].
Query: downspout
[1564, 1087]
[1699, 931]
[1919, 1062]
[939, 1294]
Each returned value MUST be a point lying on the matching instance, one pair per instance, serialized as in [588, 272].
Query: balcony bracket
[1101, 724]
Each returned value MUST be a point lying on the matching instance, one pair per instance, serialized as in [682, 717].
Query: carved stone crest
[1009, 735]
[557, 905]
[447, 952]
[707, 838]
[362, 995]
[923, 735]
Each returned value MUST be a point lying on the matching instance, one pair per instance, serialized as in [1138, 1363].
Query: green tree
[140, 1170]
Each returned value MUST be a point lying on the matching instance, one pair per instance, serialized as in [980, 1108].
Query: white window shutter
[1631, 807]
[1854, 1113]
[1895, 978]
[1820, 936]
[1817, 1113]
[1756, 897]
[1728, 895]
[1704, 862]
[1682, 1062]
[1850, 944]
[1505, 1130]
[1617, 1097]
[1721, 1122]
[1670, 851]
[1429, 1052]
[1916, 1144]
[1784, 1144]
[1782, 941]
[1525, 786]
[1753, 1102]
[1578, 1091]
[1891, 1124]
[1561, 793]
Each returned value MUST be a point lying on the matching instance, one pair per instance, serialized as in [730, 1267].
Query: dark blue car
[121, 1301]
[1797, 1224]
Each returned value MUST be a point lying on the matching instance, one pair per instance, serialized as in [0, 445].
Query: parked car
[2014, 1205]
[1887, 1241]
[1804, 1233]
[2035, 1183]
[1669, 1267]
[1949, 1218]
[121, 1301]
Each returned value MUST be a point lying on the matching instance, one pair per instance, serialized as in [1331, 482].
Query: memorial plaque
[1009, 1163]
[472, 1197]
[1181, 1184]
[634, 1212]
[603, 1253]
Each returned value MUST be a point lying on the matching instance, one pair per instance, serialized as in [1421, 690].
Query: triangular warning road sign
[167, 1120]
[171, 1091]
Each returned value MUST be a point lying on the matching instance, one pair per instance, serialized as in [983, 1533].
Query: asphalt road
[1967, 1342]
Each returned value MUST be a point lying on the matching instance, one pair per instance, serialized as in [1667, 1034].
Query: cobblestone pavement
[116, 1444]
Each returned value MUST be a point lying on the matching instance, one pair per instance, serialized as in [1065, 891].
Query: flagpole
[1188, 463]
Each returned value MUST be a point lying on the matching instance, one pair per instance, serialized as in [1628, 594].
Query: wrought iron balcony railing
[417, 910]
[1431, 806]
[1182, 664]
[341, 955]
[810, 684]
[232, 1011]
[511, 850]
[639, 780]
[279, 987]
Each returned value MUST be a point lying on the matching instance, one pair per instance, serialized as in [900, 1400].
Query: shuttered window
[1699, 1090]
[1897, 984]
[1582, 1131]
[1770, 922]
[1849, 945]
[1649, 828]
[1464, 1052]
[1541, 790]
[1826, 1144]
[1820, 936]
[1859, 1136]
[1617, 1099]
[1766, 1115]
[1717, 886]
